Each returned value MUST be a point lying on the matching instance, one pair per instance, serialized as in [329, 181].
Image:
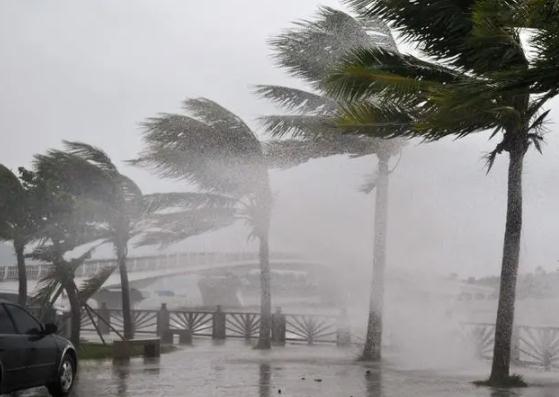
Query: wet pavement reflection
[235, 370]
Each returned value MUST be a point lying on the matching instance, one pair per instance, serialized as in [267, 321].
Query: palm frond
[300, 126]
[385, 122]
[91, 154]
[47, 288]
[13, 204]
[292, 152]
[93, 284]
[213, 149]
[170, 228]
[446, 30]
[186, 200]
[72, 174]
[377, 73]
[297, 100]
[10, 186]
[313, 47]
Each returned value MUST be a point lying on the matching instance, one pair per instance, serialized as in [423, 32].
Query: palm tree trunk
[264, 336]
[373, 342]
[509, 268]
[75, 312]
[125, 290]
[21, 273]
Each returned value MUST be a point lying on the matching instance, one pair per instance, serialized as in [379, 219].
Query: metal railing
[531, 345]
[220, 324]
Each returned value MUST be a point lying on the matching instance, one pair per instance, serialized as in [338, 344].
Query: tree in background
[214, 149]
[310, 51]
[477, 82]
[18, 222]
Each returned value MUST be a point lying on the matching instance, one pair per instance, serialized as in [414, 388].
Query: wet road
[235, 370]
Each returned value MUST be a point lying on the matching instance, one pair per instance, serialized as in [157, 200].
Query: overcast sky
[92, 71]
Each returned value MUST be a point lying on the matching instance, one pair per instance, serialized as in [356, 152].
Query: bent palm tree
[217, 151]
[18, 222]
[480, 51]
[67, 222]
[314, 124]
[160, 218]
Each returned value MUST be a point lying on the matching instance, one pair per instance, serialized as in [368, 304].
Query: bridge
[149, 268]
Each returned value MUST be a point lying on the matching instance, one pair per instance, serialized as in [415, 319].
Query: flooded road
[235, 370]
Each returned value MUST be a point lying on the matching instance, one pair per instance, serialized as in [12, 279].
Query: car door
[13, 353]
[42, 350]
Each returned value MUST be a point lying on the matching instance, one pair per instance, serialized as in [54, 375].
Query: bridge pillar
[218, 324]
[343, 332]
[163, 324]
[104, 314]
[278, 327]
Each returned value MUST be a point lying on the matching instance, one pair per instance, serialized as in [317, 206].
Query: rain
[260, 198]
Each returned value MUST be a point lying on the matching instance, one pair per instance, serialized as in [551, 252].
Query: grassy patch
[510, 382]
[99, 351]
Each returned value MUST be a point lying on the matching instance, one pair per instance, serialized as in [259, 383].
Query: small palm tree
[484, 81]
[61, 278]
[18, 222]
[311, 50]
[216, 150]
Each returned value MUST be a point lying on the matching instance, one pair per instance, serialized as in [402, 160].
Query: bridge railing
[220, 324]
[142, 264]
[531, 345]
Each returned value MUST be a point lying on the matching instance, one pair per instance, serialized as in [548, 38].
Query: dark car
[32, 355]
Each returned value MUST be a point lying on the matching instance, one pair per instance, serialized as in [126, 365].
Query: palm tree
[18, 222]
[67, 221]
[311, 50]
[128, 213]
[84, 200]
[61, 278]
[216, 150]
[478, 53]
[541, 17]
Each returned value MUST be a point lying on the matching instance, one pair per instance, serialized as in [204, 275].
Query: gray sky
[91, 71]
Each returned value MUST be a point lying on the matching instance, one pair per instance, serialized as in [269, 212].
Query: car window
[25, 324]
[6, 325]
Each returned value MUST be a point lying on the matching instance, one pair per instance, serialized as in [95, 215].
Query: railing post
[515, 345]
[278, 327]
[218, 324]
[163, 325]
[105, 314]
[185, 337]
[343, 333]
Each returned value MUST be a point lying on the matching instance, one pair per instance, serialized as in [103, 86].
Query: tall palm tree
[18, 222]
[216, 150]
[311, 50]
[477, 51]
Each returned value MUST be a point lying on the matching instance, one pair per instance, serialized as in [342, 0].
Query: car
[32, 354]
